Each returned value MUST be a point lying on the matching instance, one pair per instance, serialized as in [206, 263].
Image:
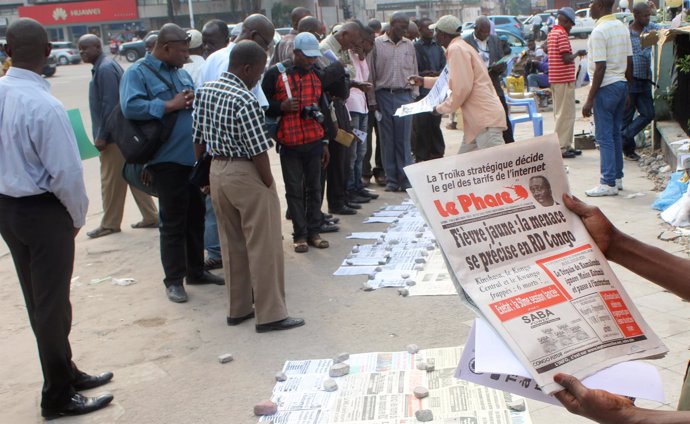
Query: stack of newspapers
[546, 299]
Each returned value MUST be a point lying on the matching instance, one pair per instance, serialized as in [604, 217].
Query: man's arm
[607, 408]
[251, 121]
[629, 69]
[268, 85]
[371, 94]
[135, 102]
[599, 71]
[459, 81]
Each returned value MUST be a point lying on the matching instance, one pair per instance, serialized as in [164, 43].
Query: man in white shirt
[43, 205]
[196, 60]
[610, 67]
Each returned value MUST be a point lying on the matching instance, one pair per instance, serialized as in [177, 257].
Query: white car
[66, 52]
[584, 24]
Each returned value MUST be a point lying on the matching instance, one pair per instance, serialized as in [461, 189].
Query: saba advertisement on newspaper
[527, 262]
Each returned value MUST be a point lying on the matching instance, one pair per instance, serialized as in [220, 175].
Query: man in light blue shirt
[145, 96]
[43, 205]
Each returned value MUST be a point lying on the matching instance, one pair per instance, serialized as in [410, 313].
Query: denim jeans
[609, 105]
[640, 93]
[211, 239]
[358, 149]
[395, 136]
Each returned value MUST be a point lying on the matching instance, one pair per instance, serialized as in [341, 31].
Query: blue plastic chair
[531, 115]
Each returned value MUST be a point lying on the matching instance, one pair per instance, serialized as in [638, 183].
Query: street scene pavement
[165, 355]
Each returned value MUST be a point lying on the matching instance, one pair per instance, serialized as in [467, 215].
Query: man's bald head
[349, 34]
[259, 29]
[171, 33]
[412, 31]
[90, 48]
[297, 15]
[27, 44]
[247, 62]
[214, 35]
[641, 7]
[397, 27]
[310, 24]
[482, 28]
[375, 25]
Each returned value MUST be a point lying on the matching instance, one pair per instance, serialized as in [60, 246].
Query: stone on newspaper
[225, 358]
[339, 370]
[422, 365]
[430, 366]
[424, 415]
[410, 283]
[330, 385]
[421, 392]
[280, 376]
[403, 292]
[517, 405]
[412, 348]
[366, 287]
[342, 357]
[266, 407]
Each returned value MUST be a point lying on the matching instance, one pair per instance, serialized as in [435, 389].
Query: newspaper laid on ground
[437, 94]
[379, 390]
[527, 263]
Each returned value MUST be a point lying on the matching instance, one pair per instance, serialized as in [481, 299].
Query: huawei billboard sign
[82, 12]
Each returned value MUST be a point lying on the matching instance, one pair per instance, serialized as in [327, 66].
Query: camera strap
[281, 69]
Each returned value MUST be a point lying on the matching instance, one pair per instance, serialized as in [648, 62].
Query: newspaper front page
[527, 263]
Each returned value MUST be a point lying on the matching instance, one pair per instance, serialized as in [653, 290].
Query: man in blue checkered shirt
[640, 88]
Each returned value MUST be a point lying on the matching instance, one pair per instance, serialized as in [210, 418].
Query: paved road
[164, 354]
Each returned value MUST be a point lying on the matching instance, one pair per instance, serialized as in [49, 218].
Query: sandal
[301, 246]
[142, 224]
[102, 231]
[318, 242]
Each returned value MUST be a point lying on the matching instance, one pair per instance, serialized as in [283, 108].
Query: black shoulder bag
[140, 140]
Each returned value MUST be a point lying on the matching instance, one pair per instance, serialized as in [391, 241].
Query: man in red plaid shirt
[293, 90]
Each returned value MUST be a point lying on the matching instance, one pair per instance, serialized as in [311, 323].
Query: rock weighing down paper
[527, 262]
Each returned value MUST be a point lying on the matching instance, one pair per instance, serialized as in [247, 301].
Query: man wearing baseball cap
[293, 90]
[471, 88]
[562, 79]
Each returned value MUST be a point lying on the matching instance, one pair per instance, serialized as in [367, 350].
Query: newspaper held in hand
[527, 262]
[436, 96]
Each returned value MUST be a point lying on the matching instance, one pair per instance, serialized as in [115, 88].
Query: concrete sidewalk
[164, 355]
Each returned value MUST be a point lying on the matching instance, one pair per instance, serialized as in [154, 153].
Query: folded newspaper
[527, 264]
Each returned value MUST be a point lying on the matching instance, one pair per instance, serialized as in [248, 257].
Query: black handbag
[140, 140]
[200, 173]
[133, 173]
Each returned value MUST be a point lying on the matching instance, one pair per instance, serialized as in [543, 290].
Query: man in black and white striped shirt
[229, 119]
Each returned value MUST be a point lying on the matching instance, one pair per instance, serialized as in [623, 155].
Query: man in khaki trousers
[103, 96]
[562, 80]
[230, 121]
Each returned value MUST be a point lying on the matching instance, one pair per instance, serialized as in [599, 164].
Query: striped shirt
[610, 43]
[558, 44]
[229, 120]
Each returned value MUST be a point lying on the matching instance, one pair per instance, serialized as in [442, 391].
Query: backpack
[140, 140]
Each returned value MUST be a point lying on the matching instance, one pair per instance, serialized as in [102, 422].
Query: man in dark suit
[491, 50]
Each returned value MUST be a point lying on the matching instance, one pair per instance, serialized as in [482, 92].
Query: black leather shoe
[78, 405]
[240, 320]
[284, 324]
[577, 152]
[354, 198]
[343, 210]
[568, 155]
[353, 205]
[329, 217]
[85, 381]
[328, 228]
[176, 294]
[366, 193]
[206, 278]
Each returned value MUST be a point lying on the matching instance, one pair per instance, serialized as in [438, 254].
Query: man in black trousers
[43, 205]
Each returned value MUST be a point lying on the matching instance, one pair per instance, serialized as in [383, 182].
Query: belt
[394, 90]
[231, 159]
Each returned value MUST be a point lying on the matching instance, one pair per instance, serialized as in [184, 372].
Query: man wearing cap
[483, 115]
[562, 79]
[293, 90]
[196, 60]
[103, 96]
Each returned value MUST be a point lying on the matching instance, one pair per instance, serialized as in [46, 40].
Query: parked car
[283, 31]
[512, 26]
[508, 23]
[584, 24]
[51, 65]
[66, 52]
[134, 50]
